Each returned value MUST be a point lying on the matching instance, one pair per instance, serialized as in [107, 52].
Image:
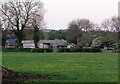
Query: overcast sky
[60, 12]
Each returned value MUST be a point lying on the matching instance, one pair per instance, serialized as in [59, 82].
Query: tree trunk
[36, 36]
[78, 39]
[20, 37]
[19, 45]
[36, 45]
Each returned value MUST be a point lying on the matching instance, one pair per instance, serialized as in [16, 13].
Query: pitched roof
[28, 41]
[11, 41]
[54, 42]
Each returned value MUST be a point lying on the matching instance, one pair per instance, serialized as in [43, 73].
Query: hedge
[79, 50]
[26, 50]
[116, 50]
[63, 50]
[10, 49]
[42, 50]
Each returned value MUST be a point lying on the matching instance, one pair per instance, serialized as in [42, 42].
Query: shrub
[37, 50]
[96, 50]
[67, 50]
[87, 49]
[10, 49]
[97, 42]
[48, 50]
[78, 50]
[25, 49]
[42, 50]
[16, 49]
[116, 50]
[63, 50]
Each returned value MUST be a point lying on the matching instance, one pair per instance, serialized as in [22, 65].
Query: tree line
[26, 21]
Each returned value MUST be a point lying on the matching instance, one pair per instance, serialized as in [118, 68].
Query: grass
[66, 67]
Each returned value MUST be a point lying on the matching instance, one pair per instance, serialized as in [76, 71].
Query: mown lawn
[66, 67]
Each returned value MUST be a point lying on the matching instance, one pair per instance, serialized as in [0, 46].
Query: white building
[45, 44]
[28, 44]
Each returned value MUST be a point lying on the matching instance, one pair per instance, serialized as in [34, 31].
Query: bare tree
[112, 24]
[106, 25]
[73, 34]
[115, 23]
[85, 24]
[112, 27]
[96, 27]
[19, 15]
[75, 27]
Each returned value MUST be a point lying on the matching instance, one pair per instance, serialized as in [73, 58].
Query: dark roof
[11, 41]
[54, 42]
[28, 41]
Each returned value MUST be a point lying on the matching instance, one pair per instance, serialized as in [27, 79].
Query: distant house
[45, 44]
[28, 44]
[10, 42]
[52, 43]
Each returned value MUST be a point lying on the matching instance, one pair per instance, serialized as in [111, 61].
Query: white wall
[28, 45]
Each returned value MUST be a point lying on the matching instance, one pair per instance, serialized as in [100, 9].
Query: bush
[42, 50]
[97, 42]
[25, 49]
[37, 50]
[48, 50]
[10, 49]
[96, 50]
[67, 50]
[63, 50]
[78, 50]
[116, 50]
[87, 49]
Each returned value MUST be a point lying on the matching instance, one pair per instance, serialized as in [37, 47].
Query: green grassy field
[66, 67]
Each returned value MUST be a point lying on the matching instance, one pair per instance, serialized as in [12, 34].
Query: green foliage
[16, 49]
[117, 45]
[29, 34]
[63, 50]
[48, 50]
[79, 50]
[51, 50]
[27, 50]
[37, 50]
[97, 42]
[10, 49]
[42, 50]
[65, 67]
[53, 34]
[116, 50]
